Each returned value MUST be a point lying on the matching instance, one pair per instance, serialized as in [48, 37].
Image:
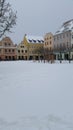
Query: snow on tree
[7, 17]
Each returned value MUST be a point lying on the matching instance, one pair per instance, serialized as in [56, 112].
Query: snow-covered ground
[36, 96]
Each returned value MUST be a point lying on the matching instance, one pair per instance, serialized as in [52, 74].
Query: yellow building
[48, 45]
[34, 45]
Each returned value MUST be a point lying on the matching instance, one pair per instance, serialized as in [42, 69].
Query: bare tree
[7, 17]
[49, 55]
[39, 52]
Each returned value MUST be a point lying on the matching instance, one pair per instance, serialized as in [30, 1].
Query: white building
[63, 41]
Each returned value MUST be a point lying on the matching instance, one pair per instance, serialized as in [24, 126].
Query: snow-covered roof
[34, 39]
[66, 27]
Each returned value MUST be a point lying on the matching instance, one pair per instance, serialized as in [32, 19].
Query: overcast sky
[37, 17]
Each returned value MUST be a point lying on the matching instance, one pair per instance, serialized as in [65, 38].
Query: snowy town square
[36, 95]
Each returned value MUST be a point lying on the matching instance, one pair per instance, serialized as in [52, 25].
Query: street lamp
[60, 54]
[69, 54]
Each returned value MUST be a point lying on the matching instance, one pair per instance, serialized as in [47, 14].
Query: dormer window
[42, 41]
[34, 41]
[39, 41]
[30, 40]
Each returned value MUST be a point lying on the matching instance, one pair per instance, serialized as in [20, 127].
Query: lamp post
[44, 54]
[60, 54]
[69, 55]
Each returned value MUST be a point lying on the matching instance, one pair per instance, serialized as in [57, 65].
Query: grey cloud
[38, 17]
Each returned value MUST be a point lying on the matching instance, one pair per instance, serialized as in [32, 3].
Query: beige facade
[7, 49]
[48, 41]
[21, 51]
[48, 45]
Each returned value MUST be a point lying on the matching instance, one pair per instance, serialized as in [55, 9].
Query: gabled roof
[67, 26]
[34, 39]
[7, 39]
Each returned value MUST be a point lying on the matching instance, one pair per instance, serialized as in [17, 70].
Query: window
[30, 40]
[67, 44]
[67, 34]
[22, 46]
[12, 50]
[63, 44]
[18, 51]
[22, 51]
[54, 46]
[63, 35]
[25, 51]
[72, 36]
[9, 50]
[50, 42]
[50, 48]
[13, 58]
[34, 41]
[42, 41]
[19, 57]
[22, 57]
[57, 37]
[60, 36]
[5, 50]
[6, 57]
[9, 44]
[9, 57]
[57, 46]
[54, 38]
[39, 41]
[5, 44]
[47, 43]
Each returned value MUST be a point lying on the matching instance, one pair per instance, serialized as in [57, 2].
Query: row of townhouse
[50, 47]
[28, 49]
[31, 48]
